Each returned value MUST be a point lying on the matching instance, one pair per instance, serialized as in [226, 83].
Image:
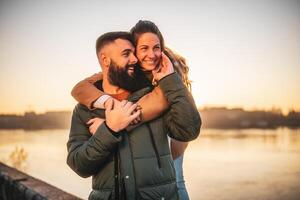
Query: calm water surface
[220, 164]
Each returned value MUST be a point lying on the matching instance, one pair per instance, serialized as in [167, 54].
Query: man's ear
[104, 60]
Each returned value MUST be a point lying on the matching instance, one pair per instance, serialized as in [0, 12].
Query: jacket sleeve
[183, 120]
[85, 92]
[153, 104]
[86, 152]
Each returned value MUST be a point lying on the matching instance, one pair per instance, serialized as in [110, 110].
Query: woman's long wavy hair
[178, 61]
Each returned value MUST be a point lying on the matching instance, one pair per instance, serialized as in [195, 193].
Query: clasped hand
[118, 115]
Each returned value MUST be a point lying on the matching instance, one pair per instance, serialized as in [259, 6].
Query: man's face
[122, 69]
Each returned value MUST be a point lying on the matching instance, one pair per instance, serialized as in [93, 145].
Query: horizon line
[201, 108]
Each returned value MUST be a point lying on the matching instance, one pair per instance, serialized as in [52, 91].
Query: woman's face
[148, 51]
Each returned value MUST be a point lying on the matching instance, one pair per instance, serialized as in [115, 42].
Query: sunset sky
[241, 53]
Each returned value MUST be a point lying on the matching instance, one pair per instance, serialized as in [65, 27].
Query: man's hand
[94, 124]
[119, 116]
[165, 68]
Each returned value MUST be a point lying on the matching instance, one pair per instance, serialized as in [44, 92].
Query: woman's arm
[85, 92]
[153, 104]
[178, 148]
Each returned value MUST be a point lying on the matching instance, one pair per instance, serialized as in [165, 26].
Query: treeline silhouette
[238, 118]
[221, 117]
[31, 120]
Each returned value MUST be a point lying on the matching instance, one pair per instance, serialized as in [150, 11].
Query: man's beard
[118, 76]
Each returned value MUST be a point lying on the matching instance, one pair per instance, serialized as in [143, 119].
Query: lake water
[220, 164]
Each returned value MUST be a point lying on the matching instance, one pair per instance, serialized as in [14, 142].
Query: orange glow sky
[240, 54]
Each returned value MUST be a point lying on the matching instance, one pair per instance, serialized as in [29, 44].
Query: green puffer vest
[137, 164]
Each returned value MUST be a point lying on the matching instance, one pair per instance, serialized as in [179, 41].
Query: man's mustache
[134, 66]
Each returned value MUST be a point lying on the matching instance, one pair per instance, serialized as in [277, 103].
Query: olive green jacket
[134, 164]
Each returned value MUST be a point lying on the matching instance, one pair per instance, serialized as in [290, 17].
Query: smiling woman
[148, 51]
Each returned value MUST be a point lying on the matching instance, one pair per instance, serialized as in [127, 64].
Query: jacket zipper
[154, 145]
[117, 191]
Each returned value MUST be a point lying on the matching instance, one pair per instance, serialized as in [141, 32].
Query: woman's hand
[165, 68]
[94, 124]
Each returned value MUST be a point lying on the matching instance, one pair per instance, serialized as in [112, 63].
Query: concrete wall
[16, 185]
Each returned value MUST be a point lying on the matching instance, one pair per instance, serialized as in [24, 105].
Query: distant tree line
[239, 118]
[211, 118]
[31, 120]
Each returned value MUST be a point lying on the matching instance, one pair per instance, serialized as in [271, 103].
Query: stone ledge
[18, 185]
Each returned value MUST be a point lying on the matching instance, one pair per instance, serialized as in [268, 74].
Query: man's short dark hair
[110, 37]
